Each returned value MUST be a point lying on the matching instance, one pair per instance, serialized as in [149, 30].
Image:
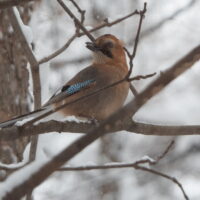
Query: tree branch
[77, 22]
[16, 132]
[59, 51]
[174, 180]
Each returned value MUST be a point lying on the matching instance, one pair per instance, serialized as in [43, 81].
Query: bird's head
[107, 49]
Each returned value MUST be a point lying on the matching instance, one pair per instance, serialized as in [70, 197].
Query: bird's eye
[108, 45]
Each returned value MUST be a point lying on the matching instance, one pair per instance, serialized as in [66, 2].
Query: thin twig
[82, 12]
[77, 22]
[174, 180]
[161, 156]
[132, 56]
[59, 51]
[109, 24]
[139, 77]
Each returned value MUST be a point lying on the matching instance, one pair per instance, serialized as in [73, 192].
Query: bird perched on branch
[109, 65]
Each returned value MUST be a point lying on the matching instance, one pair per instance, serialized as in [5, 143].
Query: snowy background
[178, 104]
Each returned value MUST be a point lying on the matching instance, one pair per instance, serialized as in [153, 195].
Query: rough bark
[13, 84]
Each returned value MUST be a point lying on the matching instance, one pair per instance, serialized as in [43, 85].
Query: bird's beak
[92, 46]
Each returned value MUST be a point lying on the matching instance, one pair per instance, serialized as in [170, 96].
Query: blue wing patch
[77, 87]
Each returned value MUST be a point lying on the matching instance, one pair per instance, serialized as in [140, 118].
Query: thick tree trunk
[14, 82]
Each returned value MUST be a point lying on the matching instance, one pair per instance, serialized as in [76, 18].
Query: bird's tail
[27, 116]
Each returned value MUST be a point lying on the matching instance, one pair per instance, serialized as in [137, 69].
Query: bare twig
[161, 156]
[59, 51]
[139, 77]
[77, 22]
[82, 12]
[174, 180]
[132, 56]
[109, 24]
[9, 3]
[132, 88]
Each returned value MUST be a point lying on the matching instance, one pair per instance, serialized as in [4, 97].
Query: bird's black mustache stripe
[107, 53]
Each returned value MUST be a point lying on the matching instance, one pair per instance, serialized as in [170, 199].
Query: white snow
[145, 157]
[23, 121]
[26, 29]
[19, 164]
[19, 177]
[76, 119]
[30, 89]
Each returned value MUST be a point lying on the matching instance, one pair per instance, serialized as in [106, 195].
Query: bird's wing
[68, 90]
[85, 79]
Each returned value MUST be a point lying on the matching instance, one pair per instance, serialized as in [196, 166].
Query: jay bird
[109, 65]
